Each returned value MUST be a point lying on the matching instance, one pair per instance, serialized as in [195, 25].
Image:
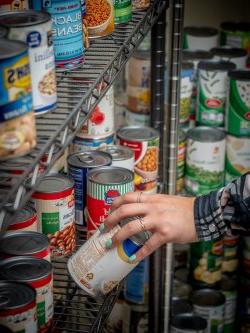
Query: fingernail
[108, 243]
[101, 227]
[132, 258]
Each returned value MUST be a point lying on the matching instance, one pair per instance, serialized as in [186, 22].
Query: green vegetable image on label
[50, 223]
[41, 313]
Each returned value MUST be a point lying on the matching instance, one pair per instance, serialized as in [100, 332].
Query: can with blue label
[78, 166]
[85, 144]
[67, 32]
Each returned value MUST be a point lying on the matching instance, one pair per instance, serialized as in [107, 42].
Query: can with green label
[212, 92]
[229, 290]
[238, 106]
[123, 11]
[235, 34]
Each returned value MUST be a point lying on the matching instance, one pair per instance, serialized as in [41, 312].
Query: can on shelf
[59, 166]
[235, 55]
[229, 290]
[135, 318]
[186, 91]
[140, 4]
[103, 186]
[210, 305]
[123, 11]
[238, 114]
[181, 156]
[17, 130]
[212, 92]
[122, 156]
[200, 38]
[137, 119]
[14, 5]
[235, 34]
[80, 144]
[188, 323]
[79, 164]
[230, 254]
[38, 274]
[24, 243]
[100, 124]
[55, 205]
[90, 267]
[205, 160]
[180, 306]
[35, 29]
[181, 290]
[18, 300]
[100, 18]
[144, 141]
[26, 220]
[67, 32]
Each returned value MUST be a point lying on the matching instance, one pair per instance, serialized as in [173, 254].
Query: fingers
[131, 197]
[154, 242]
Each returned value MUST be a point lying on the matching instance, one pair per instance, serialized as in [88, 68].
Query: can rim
[198, 297]
[235, 52]
[189, 55]
[201, 31]
[243, 75]
[216, 65]
[39, 17]
[21, 49]
[214, 134]
[233, 26]
[81, 164]
[68, 185]
[128, 153]
[195, 322]
[111, 169]
[142, 129]
[97, 139]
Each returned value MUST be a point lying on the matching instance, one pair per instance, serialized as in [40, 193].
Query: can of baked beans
[24, 243]
[78, 166]
[35, 29]
[38, 274]
[17, 122]
[86, 144]
[100, 17]
[55, 205]
[100, 124]
[123, 11]
[144, 141]
[140, 4]
[103, 186]
[18, 307]
[122, 156]
[200, 38]
[67, 32]
[26, 220]
[14, 5]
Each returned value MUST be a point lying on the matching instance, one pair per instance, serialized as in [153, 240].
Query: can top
[243, 75]
[11, 48]
[118, 153]
[15, 295]
[3, 31]
[188, 55]
[89, 159]
[206, 134]
[189, 322]
[110, 176]
[216, 65]
[207, 297]
[24, 269]
[137, 133]
[54, 183]
[235, 26]
[201, 31]
[24, 215]
[24, 18]
[80, 139]
[23, 242]
[180, 306]
[232, 52]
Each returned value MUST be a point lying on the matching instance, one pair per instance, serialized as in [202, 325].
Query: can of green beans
[123, 11]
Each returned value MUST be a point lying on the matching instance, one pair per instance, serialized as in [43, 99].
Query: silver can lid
[137, 133]
[23, 242]
[216, 66]
[207, 297]
[12, 48]
[89, 159]
[54, 183]
[206, 134]
[118, 153]
[231, 52]
[24, 18]
[24, 215]
[110, 176]
[201, 31]
[189, 55]
[189, 322]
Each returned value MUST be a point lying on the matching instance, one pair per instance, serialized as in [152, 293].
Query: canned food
[244, 296]
[210, 305]
[103, 186]
[180, 306]
[115, 319]
[34, 28]
[229, 290]
[120, 113]
[55, 204]
[80, 144]
[181, 290]
[67, 32]
[121, 156]
[235, 34]
[186, 91]
[181, 158]
[14, 5]
[238, 114]
[96, 269]
[181, 274]
[235, 55]
[205, 160]
[212, 92]
[140, 4]
[24, 243]
[144, 141]
[135, 318]
[17, 131]
[18, 301]
[101, 121]
[200, 38]
[26, 220]
[38, 274]
[206, 263]
[100, 18]
[78, 166]
[138, 87]
[123, 11]
[188, 323]
[180, 255]
[59, 166]
[137, 119]
[230, 256]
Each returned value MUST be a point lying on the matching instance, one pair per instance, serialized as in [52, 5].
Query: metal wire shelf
[79, 91]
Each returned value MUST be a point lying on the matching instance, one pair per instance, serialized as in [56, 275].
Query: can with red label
[55, 204]
[24, 243]
[103, 186]
[144, 141]
[38, 274]
[26, 220]
[17, 301]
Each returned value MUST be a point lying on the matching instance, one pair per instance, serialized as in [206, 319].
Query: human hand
[168, 218]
